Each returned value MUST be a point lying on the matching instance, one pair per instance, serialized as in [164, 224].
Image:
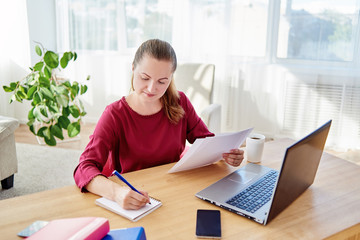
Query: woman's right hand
[124, 196]
[129, 199]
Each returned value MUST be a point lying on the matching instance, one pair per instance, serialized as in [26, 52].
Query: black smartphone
[208, 223]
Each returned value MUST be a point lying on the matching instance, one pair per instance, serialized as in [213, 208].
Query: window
[317, 30]
[93, 24]
[114, 25]
[146, 19]
[248, 28]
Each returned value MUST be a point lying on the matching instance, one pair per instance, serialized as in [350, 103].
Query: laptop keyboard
[256, 195]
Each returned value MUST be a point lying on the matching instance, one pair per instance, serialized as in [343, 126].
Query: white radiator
[310, 101]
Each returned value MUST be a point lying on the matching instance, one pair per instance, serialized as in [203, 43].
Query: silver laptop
[261, 193]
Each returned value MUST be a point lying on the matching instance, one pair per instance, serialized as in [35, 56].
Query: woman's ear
[132, 67]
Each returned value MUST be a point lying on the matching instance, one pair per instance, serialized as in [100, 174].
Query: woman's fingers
[234, 157]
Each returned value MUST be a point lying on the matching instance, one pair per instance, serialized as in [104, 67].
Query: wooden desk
[329, 208]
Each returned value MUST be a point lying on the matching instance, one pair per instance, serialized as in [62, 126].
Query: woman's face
[151, 78]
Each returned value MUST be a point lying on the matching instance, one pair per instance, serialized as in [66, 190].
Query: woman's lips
[150, 95]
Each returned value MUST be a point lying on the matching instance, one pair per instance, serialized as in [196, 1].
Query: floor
[23, 135]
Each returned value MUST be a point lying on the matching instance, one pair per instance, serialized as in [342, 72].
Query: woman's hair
[162, 50]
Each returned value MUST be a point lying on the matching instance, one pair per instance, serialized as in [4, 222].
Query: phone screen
[208, 224]
[32, 228]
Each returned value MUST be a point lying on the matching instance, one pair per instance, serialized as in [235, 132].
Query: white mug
[254, 147]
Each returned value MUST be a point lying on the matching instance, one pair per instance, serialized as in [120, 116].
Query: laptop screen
[299, 168]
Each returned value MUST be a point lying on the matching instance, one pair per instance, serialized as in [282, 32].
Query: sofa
[8, 159]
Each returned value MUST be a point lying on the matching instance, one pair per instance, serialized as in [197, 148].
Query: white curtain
[254, 88]
[14, 50]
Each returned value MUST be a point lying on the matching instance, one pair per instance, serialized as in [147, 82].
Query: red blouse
[127, 141]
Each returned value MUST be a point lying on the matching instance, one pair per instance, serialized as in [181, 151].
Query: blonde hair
[162, 50]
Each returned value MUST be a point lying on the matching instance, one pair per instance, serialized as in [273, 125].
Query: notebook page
[133, 215]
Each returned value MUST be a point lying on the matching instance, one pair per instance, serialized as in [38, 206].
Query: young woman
[149, 127]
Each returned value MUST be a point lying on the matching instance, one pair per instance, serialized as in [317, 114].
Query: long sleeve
[127, 141]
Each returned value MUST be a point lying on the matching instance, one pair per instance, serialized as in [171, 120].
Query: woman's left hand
[234, 157]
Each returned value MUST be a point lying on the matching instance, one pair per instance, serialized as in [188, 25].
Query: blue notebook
[135, 233]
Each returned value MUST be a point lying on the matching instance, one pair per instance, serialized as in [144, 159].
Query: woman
[149, 127]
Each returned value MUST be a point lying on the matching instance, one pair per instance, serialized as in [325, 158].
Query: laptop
[261, 193]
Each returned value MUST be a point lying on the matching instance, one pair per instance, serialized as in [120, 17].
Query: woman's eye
[162, 82]
[145, 79]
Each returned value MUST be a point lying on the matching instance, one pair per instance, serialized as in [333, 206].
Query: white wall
[14, 49]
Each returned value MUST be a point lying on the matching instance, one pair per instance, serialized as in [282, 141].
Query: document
[209, 150]
[133, 215]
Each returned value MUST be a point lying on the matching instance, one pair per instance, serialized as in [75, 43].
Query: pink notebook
[74, 228]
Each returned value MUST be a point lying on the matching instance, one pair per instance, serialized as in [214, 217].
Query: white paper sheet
[209, 150]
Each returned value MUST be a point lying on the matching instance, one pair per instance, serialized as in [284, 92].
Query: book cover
[135, 233]
[133, 215]
[73, 228]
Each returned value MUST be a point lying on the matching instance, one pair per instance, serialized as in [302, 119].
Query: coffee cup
[254, 147]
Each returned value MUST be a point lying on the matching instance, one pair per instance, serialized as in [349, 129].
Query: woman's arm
[125, 197]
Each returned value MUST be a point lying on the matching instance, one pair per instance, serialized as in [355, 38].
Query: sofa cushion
[7, 126]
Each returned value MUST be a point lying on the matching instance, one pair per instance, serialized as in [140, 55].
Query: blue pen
[116, 173]
[124, 180]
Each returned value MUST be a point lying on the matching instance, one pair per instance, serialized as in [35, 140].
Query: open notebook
[133, 215]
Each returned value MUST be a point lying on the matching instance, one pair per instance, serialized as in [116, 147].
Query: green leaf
[37, 114]
[88, 78]
[81, 105]
[30, 122]
[66, 111]
[13, 85]
[37, 98]
[64, 122]
[40, 111]
[44, 82]
[51, 59]
[20, 95]
[47, 132]
[38, 66]
[46, 93]
[22, 89]
[43, 111]
[83, 90]
[31, 127]
[59, 89]
[57, 132]
[73, 129]
[40, 132]
[67, 84]
[52, 106]
[50, 141]
[38, 50]
[65, 59]
[31, 114]
[63, 100]
[8, 89]
[47, 72]
[74, 110]
[75, 56]
[30, 79]
[64, 62]
[74, 90]
[30, 92]
[12, 98]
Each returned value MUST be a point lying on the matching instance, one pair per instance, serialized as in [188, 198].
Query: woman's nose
[151, 86]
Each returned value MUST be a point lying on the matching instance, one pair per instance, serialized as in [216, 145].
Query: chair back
[196, 80]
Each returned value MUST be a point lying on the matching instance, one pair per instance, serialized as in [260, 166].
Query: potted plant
[55, 103]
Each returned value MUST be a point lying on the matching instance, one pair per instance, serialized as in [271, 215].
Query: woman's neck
[142, 107]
